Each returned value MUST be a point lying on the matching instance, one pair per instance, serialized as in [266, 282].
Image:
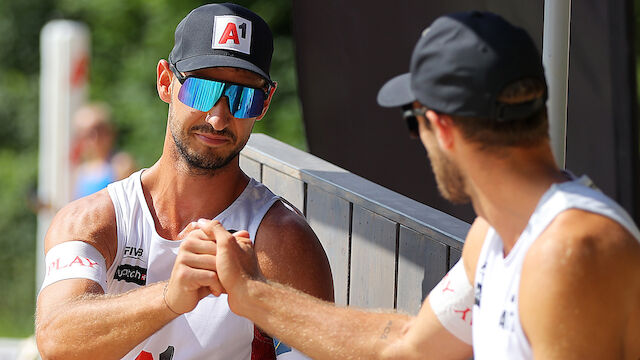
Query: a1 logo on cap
[232, 33]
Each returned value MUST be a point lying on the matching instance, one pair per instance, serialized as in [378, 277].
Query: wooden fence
[385, 250]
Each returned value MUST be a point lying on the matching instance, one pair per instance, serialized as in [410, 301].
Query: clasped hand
[210, 261]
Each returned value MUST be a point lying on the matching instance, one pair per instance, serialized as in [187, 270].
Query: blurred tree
[128, 37]
[20, 23]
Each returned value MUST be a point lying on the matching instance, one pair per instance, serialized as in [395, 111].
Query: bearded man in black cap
[550, 268]
[131, 269]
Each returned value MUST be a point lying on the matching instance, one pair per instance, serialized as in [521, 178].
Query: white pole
[64, 52]
[555, 57]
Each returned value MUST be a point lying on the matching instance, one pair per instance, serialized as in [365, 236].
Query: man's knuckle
[185, 245]
[180, 274]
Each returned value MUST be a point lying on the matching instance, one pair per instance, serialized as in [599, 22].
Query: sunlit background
[128, 37]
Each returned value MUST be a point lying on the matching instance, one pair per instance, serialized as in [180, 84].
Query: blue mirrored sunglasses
[202, 94]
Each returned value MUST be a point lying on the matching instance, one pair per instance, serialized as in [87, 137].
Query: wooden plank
[421, 264]
[454, 256]
[373, 256]
[329, 216]
[251, 167]
[359, 191]
[284, 185]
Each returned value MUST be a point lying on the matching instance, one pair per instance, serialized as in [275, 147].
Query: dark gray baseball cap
[216, 35]
[462, 62]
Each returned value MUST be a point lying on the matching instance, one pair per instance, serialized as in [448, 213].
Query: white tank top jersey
[211, 330]
[497, 331]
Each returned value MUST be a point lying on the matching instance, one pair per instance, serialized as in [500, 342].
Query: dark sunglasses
[409, 113]
[202, 94]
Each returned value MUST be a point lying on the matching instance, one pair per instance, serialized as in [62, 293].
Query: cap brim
[209, 61]
[396, 92]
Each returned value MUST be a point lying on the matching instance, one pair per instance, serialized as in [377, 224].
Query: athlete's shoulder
[582, 272]
[284, 218]
[593, 236]
[585, 242]
[289, 252]
[90, 219]
[473, 245]
[284, 233]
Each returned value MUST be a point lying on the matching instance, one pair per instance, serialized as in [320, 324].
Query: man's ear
[267, 102]
[443, 128]
[164, 77]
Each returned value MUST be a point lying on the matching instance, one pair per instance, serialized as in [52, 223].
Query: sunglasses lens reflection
[202, 94]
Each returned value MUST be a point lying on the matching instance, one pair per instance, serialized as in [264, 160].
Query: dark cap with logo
[462, 62]
[216, 35]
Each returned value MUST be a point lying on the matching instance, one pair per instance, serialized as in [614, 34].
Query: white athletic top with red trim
[497, 331]
[211, 330]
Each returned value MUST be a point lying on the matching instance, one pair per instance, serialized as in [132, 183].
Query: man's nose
[219, 115]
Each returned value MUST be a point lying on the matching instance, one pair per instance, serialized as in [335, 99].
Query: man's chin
[454, 196]
[209, 163]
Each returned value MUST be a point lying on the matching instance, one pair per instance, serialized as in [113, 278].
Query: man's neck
[177, 196]
[505, 190]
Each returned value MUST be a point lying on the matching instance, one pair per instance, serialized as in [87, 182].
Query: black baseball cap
[229, 35]
[462, 62]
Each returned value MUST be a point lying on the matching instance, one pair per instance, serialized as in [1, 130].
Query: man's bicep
[90, 219]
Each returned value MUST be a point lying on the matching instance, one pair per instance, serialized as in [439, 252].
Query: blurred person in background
[129, 272]
[94, 162]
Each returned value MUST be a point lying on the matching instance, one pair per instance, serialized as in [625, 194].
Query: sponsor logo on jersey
[132, 274]
[478, 292]
[135, 253]
[507, 318]
[166, 355]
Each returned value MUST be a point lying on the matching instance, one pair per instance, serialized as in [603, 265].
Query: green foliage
[20, 23]
[17, 241]
[128, 37]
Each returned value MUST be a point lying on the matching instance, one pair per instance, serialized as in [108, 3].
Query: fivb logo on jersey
[231, 33]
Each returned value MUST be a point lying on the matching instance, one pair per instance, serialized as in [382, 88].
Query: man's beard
[451, 182]
[206, 162]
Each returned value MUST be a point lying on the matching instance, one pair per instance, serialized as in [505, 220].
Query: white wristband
[75, 260]
[452, 302]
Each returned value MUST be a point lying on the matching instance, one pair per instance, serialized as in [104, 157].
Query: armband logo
[463, 314]
[77, 261]
[447, 288]
[130, 273]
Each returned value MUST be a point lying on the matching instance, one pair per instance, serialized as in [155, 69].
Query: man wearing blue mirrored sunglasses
[131, 269]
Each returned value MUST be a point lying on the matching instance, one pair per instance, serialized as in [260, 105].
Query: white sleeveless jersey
[497, 331]
[211, 330]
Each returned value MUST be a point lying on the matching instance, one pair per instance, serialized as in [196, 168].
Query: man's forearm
[317, 328]
[102, 326]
